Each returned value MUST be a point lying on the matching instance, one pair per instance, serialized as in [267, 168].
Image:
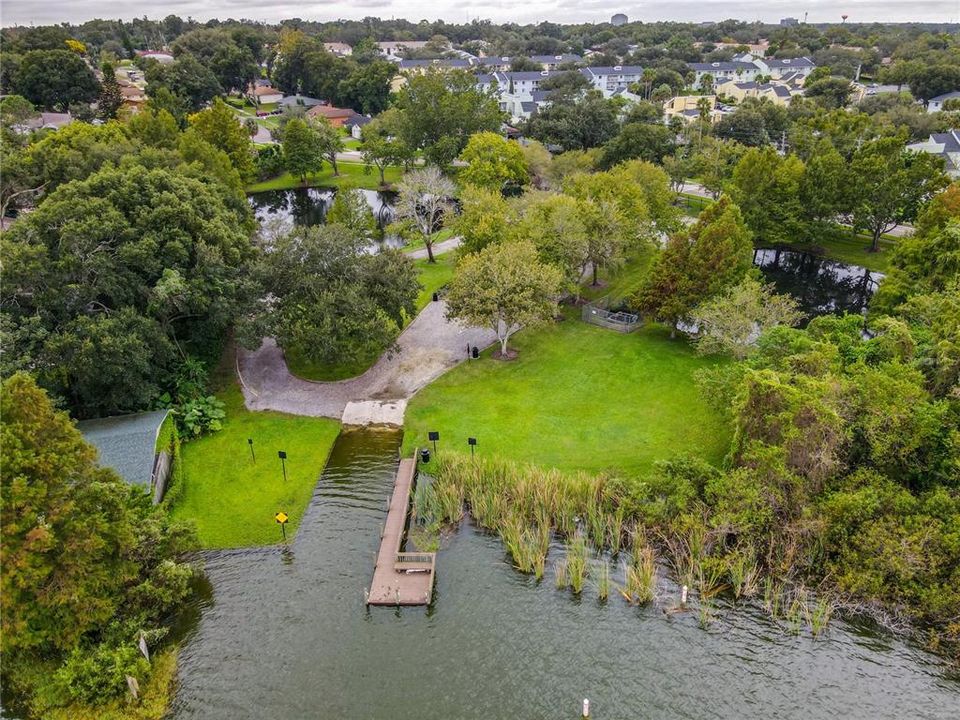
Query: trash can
[475, 352]
[436, 296]
[425, 455]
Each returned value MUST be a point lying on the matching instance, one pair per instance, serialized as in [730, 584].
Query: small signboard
[281, 517]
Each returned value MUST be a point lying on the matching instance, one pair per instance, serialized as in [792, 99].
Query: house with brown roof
[334, 115]
[264, 95]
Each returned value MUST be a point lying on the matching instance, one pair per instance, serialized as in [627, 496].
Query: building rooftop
[126, 443]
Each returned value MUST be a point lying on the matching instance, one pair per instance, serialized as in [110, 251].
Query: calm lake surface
[284, 633]
[821, 286]
[308, 206]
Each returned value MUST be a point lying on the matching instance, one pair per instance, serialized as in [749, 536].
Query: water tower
[619, 19]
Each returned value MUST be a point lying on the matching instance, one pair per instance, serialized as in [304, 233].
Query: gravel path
[438, 248]
[429, 347]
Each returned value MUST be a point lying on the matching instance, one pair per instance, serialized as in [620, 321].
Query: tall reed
[577, 562]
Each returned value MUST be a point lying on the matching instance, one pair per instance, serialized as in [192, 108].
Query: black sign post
[283, 461]
[472, 442]
[433, 436]
[252, 455]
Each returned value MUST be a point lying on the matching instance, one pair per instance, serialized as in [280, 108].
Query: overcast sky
[14, 12]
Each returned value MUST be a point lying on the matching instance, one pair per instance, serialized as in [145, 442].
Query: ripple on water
[288, 635]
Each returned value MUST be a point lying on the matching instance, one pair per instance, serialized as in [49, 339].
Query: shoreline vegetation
[352, 174]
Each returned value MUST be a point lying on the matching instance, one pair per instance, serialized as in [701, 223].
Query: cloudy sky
[51, 11]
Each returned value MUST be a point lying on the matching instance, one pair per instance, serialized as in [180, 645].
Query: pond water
[285, 633]
[308, 206]
[821, 286]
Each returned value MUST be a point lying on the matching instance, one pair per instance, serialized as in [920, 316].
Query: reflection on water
[286, 634]
[308, 206]
[821, 286]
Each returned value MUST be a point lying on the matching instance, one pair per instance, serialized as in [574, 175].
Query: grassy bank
[578, 397]
[232, 499]
[434, 276]
[351, 173]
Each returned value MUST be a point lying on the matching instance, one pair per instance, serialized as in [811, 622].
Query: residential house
[299, 101]
[393, 49]
[747, 67]
[724, 70]
[130, 445]
[338, 48]
[936, 104]
[546, 62]
[264, 95]
[355, 125]
[608, 80]
[687, 108]
[334, 115]
[777, 93]
[947, 146]
[776, 68]
[134, 97]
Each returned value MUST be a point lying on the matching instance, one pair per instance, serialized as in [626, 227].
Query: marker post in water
[281, 518]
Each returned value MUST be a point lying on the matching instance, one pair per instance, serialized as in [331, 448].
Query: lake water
[821, 286]
[284, 633]
[308, 206]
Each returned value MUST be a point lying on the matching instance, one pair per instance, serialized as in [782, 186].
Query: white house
[936, 103]
[724, 70]
[546, 62]
[947, 146]
[746, 68]
[609, 80]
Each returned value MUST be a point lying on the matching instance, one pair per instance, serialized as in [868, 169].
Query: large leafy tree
[382, 144]
[301, 149]
[891, 185]
[115, 263]
[641, 141]
[367, 87]
[440, 110]
[55, 79]
[329, 140]
[697, 264]
[493, 162]
[767, 189]
[187, 79]
[578, 124]
[89, 564]
[504, 287]
[330, 301]
[554, 224]
[485, 218]
[219, 126]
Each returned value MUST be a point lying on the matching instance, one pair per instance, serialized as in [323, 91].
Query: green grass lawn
[233, 500]
[849, 248]
[350, 173]
[622, 282]
[434, 276]
[578, 397]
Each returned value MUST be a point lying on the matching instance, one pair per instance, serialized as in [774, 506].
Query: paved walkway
[429, 347]
[438, 248]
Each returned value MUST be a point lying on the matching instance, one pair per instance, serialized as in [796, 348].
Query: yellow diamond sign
[281, 517]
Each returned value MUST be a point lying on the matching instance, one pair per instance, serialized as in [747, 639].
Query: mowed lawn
[232, 499]
[352, 174]
[578, 397]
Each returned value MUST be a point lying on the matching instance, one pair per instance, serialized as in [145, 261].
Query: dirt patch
[511, 355]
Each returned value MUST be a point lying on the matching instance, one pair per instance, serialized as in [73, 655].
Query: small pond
[820, 285]
[285, 634]
[308, 206]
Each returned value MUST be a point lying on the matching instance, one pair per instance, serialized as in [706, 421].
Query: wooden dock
[401, 578]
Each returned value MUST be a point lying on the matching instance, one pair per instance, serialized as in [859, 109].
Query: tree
[351, 210]
[891, 185]
[732, 321]
[16, 111]
[77, 151]
[423, 203]
[616, 216]
[697, 264]
[655, 186]
[929, 81]
[382, 145]
[767, 189]
[638, 141]
[367, 87]
[301, 149]
[187, 79]
[55, 79]
[329, 141]
[504, 287]
[484, 219]
[714, 162]
[553, 223]
[89, 563]
[331, 302]
[587, 122]
[825, 186]
[440, 110]
[832, 92]
[110, 99]
[219, 126]
[538, 160]
[493, 162]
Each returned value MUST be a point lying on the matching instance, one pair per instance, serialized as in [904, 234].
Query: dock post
[586, 707]
[683, 595]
